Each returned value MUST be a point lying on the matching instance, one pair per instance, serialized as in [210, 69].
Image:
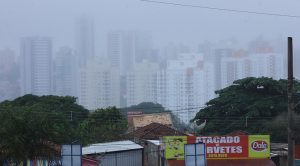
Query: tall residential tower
[36, 65]
[85, 40]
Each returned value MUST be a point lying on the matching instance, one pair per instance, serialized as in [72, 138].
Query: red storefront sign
[220, 147]
[233, 147]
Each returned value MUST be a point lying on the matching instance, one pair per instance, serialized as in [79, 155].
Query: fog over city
[125, 52]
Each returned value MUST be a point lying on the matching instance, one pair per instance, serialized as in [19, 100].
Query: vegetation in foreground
[254, 105]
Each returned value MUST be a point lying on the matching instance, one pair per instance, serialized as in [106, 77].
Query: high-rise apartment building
[172, 51]
[141, 83]
[85, 41]
[234, 68]
[254, 65]
[125, 48]
[121, 50]
[268, 65]
[9, 75]
[218, 55]
[186, 85]
[65, 72]
[99, 86]
[36, 65]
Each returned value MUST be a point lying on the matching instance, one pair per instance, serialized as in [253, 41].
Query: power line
[222, 9]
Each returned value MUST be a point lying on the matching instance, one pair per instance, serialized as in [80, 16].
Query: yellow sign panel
[174, 147]
[259, 146]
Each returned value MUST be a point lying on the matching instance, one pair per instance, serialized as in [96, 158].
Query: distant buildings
[234, 68]
[65, 72]
[36, 65]
[9, 75]
[99, 86]
[219, 54]
[268, 65]
[253, 65]
[183, 86]
[125, 48]
[141, 83]
[189, 83]
[177, 77]
[121, 50]
[85, 41]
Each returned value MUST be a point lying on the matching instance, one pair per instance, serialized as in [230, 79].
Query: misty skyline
[167, 23]
[121, 53]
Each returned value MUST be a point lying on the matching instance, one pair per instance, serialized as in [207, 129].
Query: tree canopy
[104, 125]
[29, 123]
[255, 105]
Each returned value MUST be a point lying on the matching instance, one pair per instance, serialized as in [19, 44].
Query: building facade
[9, 75]
[36, 66]
[99, 86]
[65, 72]
[85, 40]
[141, 83]
[186, 84]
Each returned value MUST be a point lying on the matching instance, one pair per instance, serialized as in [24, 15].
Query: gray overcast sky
[56, 18]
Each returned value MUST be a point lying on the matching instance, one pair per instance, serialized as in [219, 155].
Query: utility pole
[291, 120]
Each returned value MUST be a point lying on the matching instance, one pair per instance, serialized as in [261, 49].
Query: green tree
[28, 123]
[255, 105]
[104, 125]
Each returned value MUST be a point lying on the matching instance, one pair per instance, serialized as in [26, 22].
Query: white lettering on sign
[224, 149]
[259, 145]
[216, 139]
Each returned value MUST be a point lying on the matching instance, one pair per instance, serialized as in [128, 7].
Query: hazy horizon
[167, 23]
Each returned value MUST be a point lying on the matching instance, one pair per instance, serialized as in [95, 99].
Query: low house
[119, 153]
[136, 121]
[153, 131]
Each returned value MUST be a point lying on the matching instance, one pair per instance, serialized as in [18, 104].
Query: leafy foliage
[104, 125]
[29, 123]
[255, 105]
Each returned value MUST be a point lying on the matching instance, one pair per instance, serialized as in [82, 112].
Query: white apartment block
[65, 72]
[36, 65]
[189, 84]
[254, 65]
[234, 68]
[141, 83]
[121, 50]
[268, 65]
[85, 40]
[99, 86]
